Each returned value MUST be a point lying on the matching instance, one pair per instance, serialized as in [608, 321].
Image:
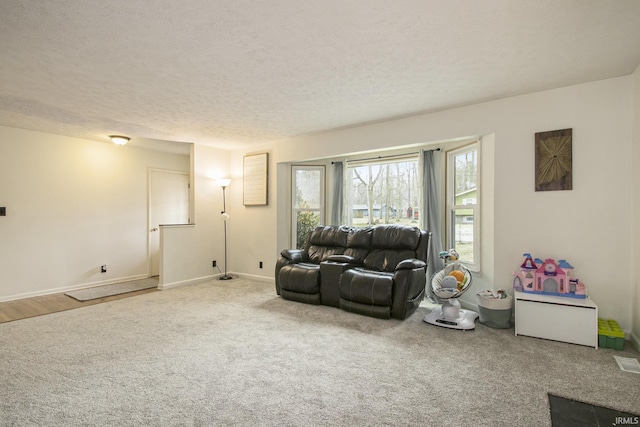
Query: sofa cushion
[358, 244]
[367, 287]
[379, 311]
[391, 245]
[386, 260]
[325, 241]
[301, 278]
[394, 237]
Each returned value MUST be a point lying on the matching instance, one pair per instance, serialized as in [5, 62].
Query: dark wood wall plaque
[554, 160]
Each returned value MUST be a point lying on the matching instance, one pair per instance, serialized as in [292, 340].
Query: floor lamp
[224, 182]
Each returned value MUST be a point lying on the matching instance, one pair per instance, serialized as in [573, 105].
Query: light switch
[3, 211]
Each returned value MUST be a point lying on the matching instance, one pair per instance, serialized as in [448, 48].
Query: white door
[168, 204]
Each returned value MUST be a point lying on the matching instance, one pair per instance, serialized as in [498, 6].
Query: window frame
[322, 198]
[380, 162]
[475, 208]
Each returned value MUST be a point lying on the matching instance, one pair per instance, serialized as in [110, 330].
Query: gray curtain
[431, 215]
[336, 207]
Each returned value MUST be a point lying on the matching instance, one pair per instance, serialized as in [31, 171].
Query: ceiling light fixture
[119, 140]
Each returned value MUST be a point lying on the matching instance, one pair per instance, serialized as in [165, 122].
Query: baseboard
[269, 279]
[162, 286]
[72, 288]
[165, 286]
[635, 340]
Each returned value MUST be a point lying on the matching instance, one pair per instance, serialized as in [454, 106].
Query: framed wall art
[255, 177]
[554, 160]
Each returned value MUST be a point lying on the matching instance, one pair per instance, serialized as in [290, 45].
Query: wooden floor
[46, 304]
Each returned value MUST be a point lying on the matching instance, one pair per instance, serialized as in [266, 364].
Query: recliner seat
[298, 271]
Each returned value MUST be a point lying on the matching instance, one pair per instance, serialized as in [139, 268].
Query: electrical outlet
[103, 268]
[260, 264]
[213, 263]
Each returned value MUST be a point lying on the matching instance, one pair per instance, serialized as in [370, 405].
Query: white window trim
[450, 205]
[294, 211]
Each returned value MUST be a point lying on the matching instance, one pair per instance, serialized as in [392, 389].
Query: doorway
[168, 204]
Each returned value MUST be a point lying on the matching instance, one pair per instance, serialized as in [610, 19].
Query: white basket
[495, 303]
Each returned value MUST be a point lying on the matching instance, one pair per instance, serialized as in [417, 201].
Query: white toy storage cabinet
[571, 320]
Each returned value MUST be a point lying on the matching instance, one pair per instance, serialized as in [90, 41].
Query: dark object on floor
[377, 271]
[571, 413]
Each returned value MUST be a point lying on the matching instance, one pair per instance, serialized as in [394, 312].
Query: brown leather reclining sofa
[377, 271]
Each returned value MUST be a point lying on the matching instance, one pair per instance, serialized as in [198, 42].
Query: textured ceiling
[233, 73]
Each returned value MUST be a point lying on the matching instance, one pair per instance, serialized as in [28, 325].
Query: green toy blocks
[610, 335]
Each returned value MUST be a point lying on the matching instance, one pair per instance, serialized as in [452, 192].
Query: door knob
[154, 229]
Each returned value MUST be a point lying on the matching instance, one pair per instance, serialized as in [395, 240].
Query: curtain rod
[392, 156]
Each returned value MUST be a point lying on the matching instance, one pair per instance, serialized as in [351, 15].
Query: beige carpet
[233, 353]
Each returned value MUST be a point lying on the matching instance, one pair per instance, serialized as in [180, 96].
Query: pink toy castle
[548, 277]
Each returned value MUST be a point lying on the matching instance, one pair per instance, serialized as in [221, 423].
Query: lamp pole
[224, 183]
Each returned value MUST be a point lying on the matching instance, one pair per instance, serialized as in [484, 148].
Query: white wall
[187, 251]
[253, 227]
[635, 260]
[72, 205]
[589, 226]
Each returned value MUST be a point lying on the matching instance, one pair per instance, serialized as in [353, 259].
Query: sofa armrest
[288, 256]
[410, 264]
[409, 286]
[330, 273]
[295, 255]
[343, 259]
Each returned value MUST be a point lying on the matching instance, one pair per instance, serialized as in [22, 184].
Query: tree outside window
[382, 192]
[307, 202]
[463, 204]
